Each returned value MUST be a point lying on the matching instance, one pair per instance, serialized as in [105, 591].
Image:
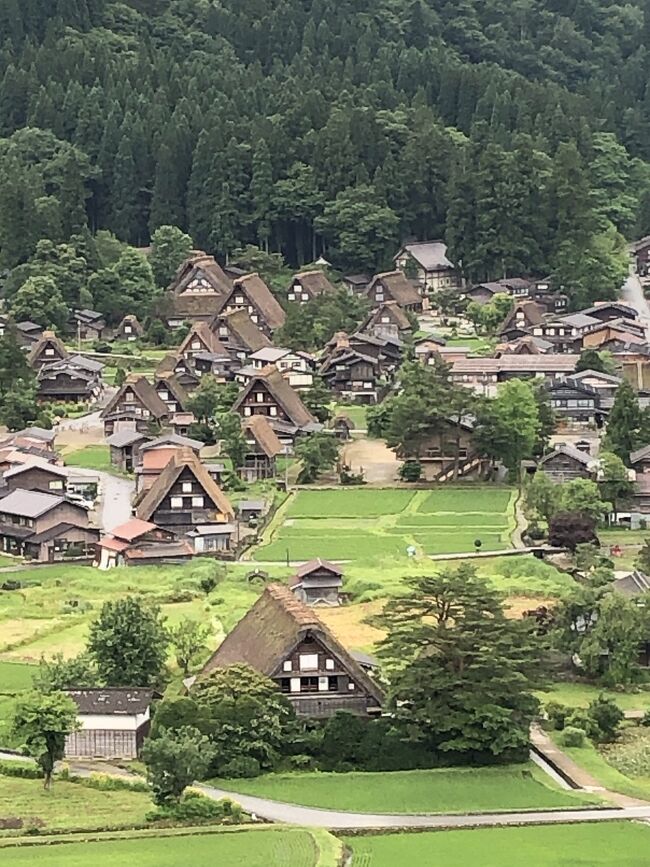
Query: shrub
[301, 762]
[410, 471]
[606, 716]
[105, 783]
[572, 736]
[557, 714]
[25, 770]
[242, 767]
[645, 720]
[535, 532]
[580, 719]
[195, 807]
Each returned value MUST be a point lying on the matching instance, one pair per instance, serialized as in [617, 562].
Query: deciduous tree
[43, 721]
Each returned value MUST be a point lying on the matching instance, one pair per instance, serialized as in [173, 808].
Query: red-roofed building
[139, 541]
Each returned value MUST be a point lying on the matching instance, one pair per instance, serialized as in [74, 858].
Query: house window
[49, 351]
[295, 684]
[56, 485]
[164, 395]
[308, 661]
[187, 487]
[351, 686]
[329, 664]
[177, 502]
[273, 410]
[291, 296]
[197, 502]
[305, 297]
[239, 299]
[286, 665]
[285, 684]
[259, 397]
[127, 329]
[333, 684]
[323, 684]
[248, 410]
[309, 684]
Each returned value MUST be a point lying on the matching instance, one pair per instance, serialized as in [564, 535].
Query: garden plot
[364, 525]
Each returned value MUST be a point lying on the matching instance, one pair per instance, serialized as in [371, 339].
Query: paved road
[291, 814]
[116, 495]
[632, 292]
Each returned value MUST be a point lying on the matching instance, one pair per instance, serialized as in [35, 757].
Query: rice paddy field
[263, 847]
[608, 844]
[364, 524]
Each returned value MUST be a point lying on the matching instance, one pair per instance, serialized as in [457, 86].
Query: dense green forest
[519, 130]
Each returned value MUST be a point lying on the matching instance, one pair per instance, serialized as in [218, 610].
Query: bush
[242, 767]
[606, 717]
[25, 770]
[301, 762]
[580, 719]
[195, 807]
[105, 783]
[645, 720]
[535, 532]
[557, 714]
[572, 736]
[410, 471]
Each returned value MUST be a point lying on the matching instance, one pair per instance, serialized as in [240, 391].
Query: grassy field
[581, 694]
[15, 679]
[616, 844]
[438, 791]
[70, 805]
[355, 412]
[267, 847]
[365, 524]
[95, 457]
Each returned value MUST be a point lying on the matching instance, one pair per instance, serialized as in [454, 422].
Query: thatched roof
[263, 434]
[273, 627]
[391, 309]
[210, 284]
[314, 283]
[170, 382]
[47, 339]
[145, 393]
[203, 332]
[258, 294]
[525, 314]
[244, 330]
[133, 321]
[184, 459]
[397, 287]
[282, 393]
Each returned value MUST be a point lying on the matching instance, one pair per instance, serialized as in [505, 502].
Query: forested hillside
[517, 129]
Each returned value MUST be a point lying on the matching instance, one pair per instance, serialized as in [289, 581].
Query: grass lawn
[97, 457]
[365, 524]
[70, 805]
[355, 412]
[14, 679]
[581, 694]
[615, 844]
[439, 791]
[267, 847]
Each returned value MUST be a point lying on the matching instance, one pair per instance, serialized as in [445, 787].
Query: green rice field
[366, 524]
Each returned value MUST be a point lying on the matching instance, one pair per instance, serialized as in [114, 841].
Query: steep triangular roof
[133, 321]
[523, 315]
[260, 296]
[203, 269]
[282, 392]
[48, 338]
[171, 383]
[397, 286]
[146, 394]
[204, 333]
[391, 309]
[183, 459]
[264, 435]
[276, 624]
[244, 330]
[315, 283]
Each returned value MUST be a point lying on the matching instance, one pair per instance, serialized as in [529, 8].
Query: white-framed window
[305, 297]
[273, 410]
[351, 686]
[164, 395]
[187, 487]
[295, 684]
[239, 299]
[323, 684]
[127, 329]
[56, 485]
[196, 344]
[197, 502]
[259, 397]
[177, 502]
[49, 351]
[309, 662]
[291, 296]
[248, 410]
[286, 665]
[329, 664]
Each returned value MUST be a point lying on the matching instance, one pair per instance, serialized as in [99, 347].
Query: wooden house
[125, 445]
[138, 401]
[483, 375]
[296, 366]
[566, 463]
[318, 582]
[575, 403]
[47, 349]
[308, 285]
[129, 329]
[201, 338]
[240, 335]
[138, 543]
[449, 453]
[113, 722]
[620, 330]
[44, 526]
[75, 379]
[394, 286]
[262, 449]
[285, 640]
[524, 317]
[35, 474]
[171, 392]
[482, 293]
[250, 293]
[388, 320]
[28, 333]
[607, 311]
[356, 284]
[566, 333]
[269, 394]
[155, 454]
[435, 271]
[640, 460]
[197, 290]
[359, 367]
[181, 368]
[640, 251]
[184, 496]
[88, 324]
[527, 345]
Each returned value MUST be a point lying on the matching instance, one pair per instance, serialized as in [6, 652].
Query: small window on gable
[177, 502]
[308, 661]
[187, 487]
[197, 502]
[286, 665]
[329, 664]
[351, 686]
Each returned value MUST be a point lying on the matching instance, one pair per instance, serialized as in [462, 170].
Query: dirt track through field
[378, 462]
